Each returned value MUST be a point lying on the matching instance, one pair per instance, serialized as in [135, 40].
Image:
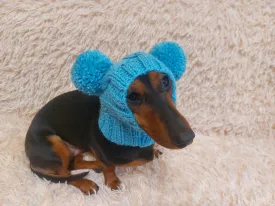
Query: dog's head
[150, 99]
[140, 92]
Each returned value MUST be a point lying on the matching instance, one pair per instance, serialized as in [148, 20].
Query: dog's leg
[111, 180]
[62, 150]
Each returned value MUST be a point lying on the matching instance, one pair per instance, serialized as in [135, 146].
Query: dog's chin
[183, 145]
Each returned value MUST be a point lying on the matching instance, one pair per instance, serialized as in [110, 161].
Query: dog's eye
[134, 97]
[165, 82]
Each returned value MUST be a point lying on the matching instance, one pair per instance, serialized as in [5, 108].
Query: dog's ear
[88, 71]
[172, 55]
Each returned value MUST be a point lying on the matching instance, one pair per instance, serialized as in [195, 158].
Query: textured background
[229, 84]
[228, 90]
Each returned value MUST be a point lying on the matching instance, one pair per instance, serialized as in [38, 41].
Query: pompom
[172, 55]
[88, 71]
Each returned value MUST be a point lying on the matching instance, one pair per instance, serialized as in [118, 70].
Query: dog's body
[73, 117]
[67, 127]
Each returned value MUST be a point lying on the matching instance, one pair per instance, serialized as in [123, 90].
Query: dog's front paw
[88, 187]
[157, 153]
[115, 185]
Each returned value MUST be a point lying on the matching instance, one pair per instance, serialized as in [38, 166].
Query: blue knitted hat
[94, 74]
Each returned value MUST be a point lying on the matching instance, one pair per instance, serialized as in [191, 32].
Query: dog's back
[68, 116]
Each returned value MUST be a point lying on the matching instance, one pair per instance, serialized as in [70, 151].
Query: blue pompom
[172, 55]
[88, 71]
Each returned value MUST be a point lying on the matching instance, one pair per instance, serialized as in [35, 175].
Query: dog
[67, 127]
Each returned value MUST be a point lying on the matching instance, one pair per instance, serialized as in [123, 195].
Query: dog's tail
[58, 178]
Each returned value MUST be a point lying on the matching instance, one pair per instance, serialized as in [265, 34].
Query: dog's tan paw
[88, 187]
[157, 153]
[115, 185]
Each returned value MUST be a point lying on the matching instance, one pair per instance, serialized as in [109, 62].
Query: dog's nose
[186, 138]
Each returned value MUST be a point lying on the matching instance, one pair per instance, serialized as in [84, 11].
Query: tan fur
[85, 185]
[62, 150]
[137, 86]
[110, 178]
[155, 79]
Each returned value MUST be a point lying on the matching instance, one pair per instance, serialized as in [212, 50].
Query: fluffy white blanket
[227, 94]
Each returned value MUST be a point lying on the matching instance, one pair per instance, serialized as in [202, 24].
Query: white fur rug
[211, 171]
[227, 94]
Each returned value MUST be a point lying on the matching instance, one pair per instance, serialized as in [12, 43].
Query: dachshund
[67, 127]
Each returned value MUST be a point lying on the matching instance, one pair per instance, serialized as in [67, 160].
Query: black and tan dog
[67, 127]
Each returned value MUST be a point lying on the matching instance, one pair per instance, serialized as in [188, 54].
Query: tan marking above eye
[155, 79]
[137, 86]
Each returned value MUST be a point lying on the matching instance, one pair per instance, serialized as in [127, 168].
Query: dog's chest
[131, 156]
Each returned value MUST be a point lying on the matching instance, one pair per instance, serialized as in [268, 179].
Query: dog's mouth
[175, 143]
[176, 134]
[184, 144]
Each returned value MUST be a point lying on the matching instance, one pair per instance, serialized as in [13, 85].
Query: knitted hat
[94, 74]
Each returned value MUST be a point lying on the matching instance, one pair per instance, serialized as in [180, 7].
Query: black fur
[73, 116]
[60, 179]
